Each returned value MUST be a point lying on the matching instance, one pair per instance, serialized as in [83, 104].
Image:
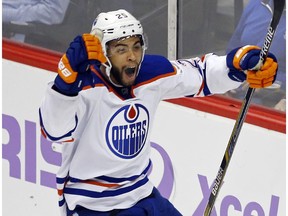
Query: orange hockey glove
[245, 59]
[73, 68]
[263, 77]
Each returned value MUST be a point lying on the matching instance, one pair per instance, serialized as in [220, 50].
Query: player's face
[125, 56]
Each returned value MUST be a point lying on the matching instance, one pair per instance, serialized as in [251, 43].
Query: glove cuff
[241, 54]
[236, 75]
[236, 58]
[65, 70]
[63, 87]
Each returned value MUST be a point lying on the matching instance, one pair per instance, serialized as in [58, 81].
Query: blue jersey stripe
[52, 138]
[112, 179]
[118, 180]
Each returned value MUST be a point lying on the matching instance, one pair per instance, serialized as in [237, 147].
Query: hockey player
[102, 104]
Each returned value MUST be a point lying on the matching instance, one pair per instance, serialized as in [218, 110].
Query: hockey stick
[278, 8]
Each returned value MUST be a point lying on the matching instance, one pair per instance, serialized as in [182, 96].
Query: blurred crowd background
[204, 26]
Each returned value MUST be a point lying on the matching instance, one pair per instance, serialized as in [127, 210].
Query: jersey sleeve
[194, 77]
[214, 75]
[58, 115]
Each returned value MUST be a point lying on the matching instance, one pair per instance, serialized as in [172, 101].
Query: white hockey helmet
[115, 25]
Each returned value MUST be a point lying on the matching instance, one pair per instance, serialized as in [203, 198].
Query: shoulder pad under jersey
[153, 66]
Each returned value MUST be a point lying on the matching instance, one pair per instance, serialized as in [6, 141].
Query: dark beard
[116, 74]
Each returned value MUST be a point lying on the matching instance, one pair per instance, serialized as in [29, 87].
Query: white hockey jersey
[106, 130]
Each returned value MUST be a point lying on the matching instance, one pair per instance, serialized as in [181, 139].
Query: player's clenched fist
[73, 67]
[245, 59]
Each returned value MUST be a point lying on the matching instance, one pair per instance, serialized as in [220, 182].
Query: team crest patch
[127, 131]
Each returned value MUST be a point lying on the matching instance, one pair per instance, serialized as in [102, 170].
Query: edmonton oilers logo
[127, 131]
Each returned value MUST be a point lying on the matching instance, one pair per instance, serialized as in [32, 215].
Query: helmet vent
[109, 31]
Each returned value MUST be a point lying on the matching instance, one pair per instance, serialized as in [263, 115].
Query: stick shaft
[229, 151]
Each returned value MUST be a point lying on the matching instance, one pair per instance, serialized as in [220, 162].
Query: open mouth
[130, 71]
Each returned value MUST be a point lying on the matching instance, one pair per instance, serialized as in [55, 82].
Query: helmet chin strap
[108, 73]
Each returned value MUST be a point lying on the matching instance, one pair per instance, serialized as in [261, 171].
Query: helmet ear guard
[115, 25]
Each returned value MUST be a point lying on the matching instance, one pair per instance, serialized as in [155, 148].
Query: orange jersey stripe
[100, 183]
